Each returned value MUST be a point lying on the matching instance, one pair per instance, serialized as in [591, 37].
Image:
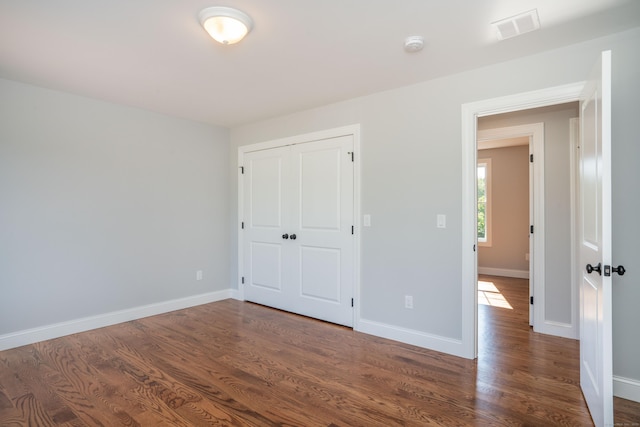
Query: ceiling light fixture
[517, 25]
[226, 25]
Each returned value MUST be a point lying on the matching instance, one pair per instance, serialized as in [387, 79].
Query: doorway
[470, 114]
[504, 239]
[516, 190]
[554, 308]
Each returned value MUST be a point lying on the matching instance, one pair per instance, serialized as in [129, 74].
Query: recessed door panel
[266, 265]
[265, 192]
[590, 172]
[320, 273]
[320, 189]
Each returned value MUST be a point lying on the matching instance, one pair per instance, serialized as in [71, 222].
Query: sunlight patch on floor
[489, 294]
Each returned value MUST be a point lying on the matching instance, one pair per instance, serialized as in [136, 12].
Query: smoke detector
[413, 43]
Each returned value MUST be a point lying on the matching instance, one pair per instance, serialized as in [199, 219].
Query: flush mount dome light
[226, 25]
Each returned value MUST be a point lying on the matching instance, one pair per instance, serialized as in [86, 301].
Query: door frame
[470, 114]
[535, 134]
[352, 130]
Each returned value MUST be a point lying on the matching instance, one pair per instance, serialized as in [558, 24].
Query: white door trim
[574, 171]
[535, 133]
[470, 114]
[353, 130]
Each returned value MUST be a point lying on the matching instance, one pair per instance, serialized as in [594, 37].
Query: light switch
[367, 220]
[442, 221]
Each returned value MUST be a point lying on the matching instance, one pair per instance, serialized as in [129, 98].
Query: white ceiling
[154, 54]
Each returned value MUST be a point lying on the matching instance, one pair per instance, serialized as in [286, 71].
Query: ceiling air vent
[517, 25]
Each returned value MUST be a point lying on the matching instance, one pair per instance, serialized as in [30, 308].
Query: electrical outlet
[408, 301]
[199, 275]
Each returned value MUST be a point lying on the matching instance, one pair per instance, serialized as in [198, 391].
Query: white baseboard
[626, 388]
[504, 272]
[413, 337]
[564, 330]
[30, 336]
[236, 294]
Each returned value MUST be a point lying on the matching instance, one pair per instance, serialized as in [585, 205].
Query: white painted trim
[240, 221]
[574, 194]
[469, 233]
[357, 213]
[558, 329]
[300, 139]
[500, 143]
[235, 294]
[56, 330]
[626, 388]
[470, 113]
[504, 272]
[413, 337]
[353, 130]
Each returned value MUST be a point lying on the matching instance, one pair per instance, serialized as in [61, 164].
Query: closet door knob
[293, 237]
[285, 236]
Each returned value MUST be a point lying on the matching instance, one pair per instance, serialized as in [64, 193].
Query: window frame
[486, 163]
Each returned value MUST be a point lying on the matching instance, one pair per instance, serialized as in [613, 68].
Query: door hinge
[474, 248]
[243, 280]
[531, 300]
[242, 225]
[531, 158]
[351, 302]
[351, 154]
[352, 230]
[242, 170]
[531, 229]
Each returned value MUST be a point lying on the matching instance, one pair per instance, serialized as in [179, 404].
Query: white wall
[411, 171]
[105, 208]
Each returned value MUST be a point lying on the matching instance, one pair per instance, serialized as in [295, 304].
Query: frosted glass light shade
[226, 25]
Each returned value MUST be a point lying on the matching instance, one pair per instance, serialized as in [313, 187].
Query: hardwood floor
[234, 363]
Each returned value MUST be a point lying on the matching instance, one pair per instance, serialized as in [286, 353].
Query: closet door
[266, 210]
[322, 220]
[298, 243]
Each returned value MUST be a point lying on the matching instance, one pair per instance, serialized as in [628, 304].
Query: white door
[266, 200]
[298, 236]
[595, 244]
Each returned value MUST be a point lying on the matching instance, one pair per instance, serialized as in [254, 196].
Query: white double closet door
[298, 242]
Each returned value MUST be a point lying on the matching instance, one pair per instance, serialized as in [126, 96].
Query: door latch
[619, 269]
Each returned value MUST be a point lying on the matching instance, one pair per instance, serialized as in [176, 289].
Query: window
[484, 202]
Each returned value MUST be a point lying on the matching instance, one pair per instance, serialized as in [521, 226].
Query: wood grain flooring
[231, 363]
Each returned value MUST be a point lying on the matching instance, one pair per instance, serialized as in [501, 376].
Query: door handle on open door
[591, 268]
[619, 269]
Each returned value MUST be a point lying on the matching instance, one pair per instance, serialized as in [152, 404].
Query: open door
[595, 244]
